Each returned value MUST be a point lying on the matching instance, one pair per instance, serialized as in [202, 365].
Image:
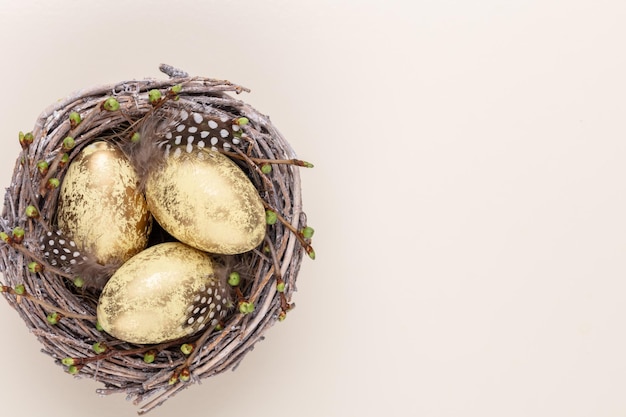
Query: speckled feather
[208, 309]
[163, 136]
[63, 253]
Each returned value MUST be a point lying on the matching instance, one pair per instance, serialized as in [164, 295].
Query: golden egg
[165, 292]
[100, 206]
[205, 200]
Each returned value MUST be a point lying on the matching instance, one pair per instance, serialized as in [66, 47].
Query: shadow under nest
[39, 293]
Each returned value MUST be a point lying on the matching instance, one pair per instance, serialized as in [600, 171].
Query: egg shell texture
[205, 200]
[166, 292]
[100, 206]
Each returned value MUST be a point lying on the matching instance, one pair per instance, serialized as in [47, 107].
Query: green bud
[53, 318]
[242, 121]
[73, 369]
[26, 139]
[34, 267]
[68, 361]
[99, 327]
[5, 237]
[65, 158]
[20, 289]
[42, 166]
[176, 88]
[32, 212]
[135, 138]
[310, 252]
[79, 282]
[243, 307]
[270, 217]
[68, 143]
[280, 286]
[18, 234]
[53, 183]
[185, 375]
[149, 356]
[234, 278]
[307, 164]
[282, 316]
[307, 232]
[266, 168]
[246, 307]
[186, 348]
[111, 104]
[219, 327]
[173, 379]
[99, 347]
[154, 96]
[75, 119]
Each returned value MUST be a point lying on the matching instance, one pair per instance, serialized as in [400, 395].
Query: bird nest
[61, 311]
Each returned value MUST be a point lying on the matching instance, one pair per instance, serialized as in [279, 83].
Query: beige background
[468, 196]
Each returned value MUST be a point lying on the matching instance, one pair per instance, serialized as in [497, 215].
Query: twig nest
[152, 232]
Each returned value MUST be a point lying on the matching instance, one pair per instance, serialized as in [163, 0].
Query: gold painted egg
[165, 292]
[205, 200]
[100, 206]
